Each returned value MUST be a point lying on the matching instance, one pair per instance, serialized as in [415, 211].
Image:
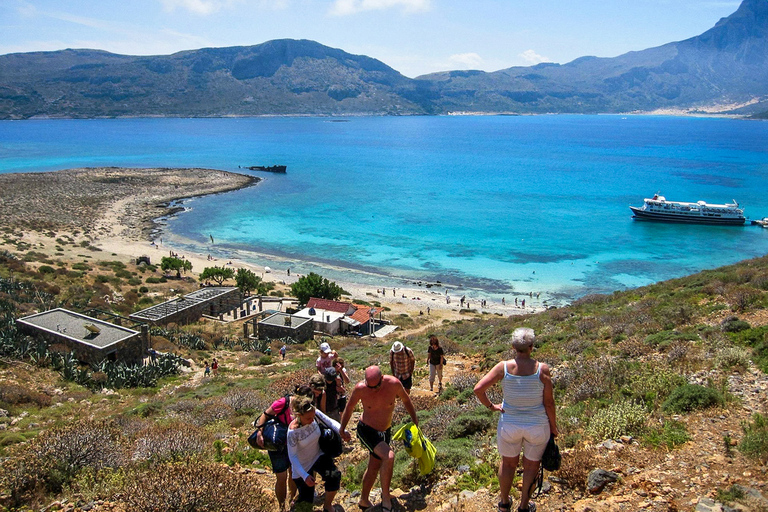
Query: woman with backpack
[307, 459]
[280, 410]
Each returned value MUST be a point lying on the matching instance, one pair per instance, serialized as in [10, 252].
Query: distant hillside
[277, 77]
[724, 69]
[726, 65]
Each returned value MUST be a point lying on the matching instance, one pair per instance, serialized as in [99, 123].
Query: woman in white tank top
[527, 419]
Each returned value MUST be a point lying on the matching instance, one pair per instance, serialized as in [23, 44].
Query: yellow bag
[427, 460]
[417, 446]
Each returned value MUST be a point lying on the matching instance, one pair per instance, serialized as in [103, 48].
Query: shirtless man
[377, 393]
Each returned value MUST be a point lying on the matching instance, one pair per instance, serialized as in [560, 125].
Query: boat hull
[641, 214]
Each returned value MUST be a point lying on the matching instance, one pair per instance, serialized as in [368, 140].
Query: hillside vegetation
[663, 386]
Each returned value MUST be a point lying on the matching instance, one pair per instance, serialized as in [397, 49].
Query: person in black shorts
[378, 394]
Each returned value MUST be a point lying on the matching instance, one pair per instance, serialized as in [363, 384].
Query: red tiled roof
[362, 313]
[329, 305]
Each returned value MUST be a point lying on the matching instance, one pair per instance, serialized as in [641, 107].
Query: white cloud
[347, 7]
[467, 60]
[533, 57]
[202, 7]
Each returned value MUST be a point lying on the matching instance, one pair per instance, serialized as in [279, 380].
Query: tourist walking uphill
[402, 362]
[377, 393]
[435, 360]
[306, 457]
[325, 359]
[280, 410]
[527, 416]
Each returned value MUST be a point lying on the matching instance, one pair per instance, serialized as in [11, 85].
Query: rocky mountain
[725, 69]
[722, 69]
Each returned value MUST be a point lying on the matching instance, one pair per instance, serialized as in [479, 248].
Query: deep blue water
[500, 204]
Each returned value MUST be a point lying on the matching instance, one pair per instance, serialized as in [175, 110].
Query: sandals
[505, 507]
[531, 508]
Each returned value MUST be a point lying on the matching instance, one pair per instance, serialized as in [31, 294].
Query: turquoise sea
[494, 205]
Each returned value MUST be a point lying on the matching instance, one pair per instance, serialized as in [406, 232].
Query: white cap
[325, 347]
[397, 346]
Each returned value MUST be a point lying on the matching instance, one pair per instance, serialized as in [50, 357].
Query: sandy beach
[117, 211]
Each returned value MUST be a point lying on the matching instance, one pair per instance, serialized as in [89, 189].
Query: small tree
[217, 274]
[170, 263]
[247, 280]
[314, 285]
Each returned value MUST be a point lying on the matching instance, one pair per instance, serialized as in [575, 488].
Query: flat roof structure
[70, 325]
[278, 319]
[158, 312]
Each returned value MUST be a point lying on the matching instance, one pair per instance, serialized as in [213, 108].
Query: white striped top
[523, 399]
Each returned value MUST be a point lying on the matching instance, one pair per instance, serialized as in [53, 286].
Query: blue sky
[413, 36]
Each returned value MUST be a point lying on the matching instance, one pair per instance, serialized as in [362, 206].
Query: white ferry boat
[659, 209]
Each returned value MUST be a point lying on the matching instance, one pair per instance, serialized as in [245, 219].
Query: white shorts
[532, 440]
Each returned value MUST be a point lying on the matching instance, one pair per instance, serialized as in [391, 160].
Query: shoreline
[122, 211]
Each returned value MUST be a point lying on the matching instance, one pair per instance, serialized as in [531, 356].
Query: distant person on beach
[402, 362]
[207, 371]
[215, 367]
[435, 361]
[378, 394]
[528, 416]
[282, 352]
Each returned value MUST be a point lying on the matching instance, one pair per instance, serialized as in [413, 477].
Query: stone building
[92, 340]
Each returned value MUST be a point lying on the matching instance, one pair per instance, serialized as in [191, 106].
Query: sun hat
[325, 347]
[523, 337]
[397, 347]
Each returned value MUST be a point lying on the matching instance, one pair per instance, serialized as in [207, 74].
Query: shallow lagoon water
[499, 205]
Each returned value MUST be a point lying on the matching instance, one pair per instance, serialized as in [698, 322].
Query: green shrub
[81, 266]
[143, 289]
[146, 409]
[449, 393]
[616, 420]
[755, 442]
[733, 324]
[663, 339]
[652, 384]
[156, 280]
[732, 357]
[471, 423]
[46, 269]
[134, 281]
[734, 493]
[690, 397]
[479, 476]
[670, 435]
[11, 438]
[265, 360]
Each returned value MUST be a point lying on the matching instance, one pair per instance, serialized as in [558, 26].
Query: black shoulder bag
[550, 460]
[274, 431]
[330, 441]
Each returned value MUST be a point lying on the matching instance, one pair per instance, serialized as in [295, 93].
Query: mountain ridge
[724, 69]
